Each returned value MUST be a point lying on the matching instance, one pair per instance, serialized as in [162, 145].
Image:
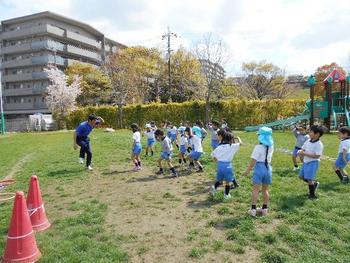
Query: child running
[301, 137]
[214, 128]
[262, 175]
[224, 154]
[136, 146]
[167, 152]
[311, 153]
[151, 140]
[343, 154]
[183, 145]
[197, 149]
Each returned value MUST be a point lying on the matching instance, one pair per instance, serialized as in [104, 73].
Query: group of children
[188, 140]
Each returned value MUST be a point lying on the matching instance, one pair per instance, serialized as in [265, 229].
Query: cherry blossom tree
[61, 97]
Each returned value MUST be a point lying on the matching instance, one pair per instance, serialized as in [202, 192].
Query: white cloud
[297, 35]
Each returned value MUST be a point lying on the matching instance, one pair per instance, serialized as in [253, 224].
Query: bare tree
[213, 54]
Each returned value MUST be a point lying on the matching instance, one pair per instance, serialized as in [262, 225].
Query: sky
[296, 35]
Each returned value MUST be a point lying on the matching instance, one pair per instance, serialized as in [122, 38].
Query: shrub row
[238, 113]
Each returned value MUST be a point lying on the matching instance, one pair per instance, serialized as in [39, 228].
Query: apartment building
[214, 70]
[30, 43]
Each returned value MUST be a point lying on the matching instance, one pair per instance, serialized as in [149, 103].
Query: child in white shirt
[311, 153]
[343, 154]
[262, 176]
[224, 154]
[136, 146]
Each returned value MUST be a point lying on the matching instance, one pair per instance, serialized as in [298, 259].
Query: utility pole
[2, 128]
[168, 37]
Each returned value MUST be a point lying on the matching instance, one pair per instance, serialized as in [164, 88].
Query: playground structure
[332, 108]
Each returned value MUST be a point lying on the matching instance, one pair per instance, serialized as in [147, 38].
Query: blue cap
[265, 136]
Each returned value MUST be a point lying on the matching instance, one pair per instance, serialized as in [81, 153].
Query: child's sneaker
[263, 212]
[200, 170]
[227, 197]
[160, 172]
[136, 168]
[81, 160]
[252, 212]
[345, 180]
[212, 190]
[89, 168]
[175, 175]
[295, 169]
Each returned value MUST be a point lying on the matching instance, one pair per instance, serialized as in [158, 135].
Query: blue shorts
[166, 155]
[308, 170]
[225, 172]
[137, 148]
[262, 174]
[295, 151]
[340, 162]
[150, 142]
[214, 144]
[195, 155]
[183, 149]
[173, 137]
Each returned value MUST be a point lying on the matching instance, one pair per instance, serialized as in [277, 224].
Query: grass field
[115, 215]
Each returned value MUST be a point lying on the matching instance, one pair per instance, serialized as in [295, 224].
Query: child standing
[151, 140]
[343, 154]
[301, 136]
[136, 146]
[214, 128]
[262, 175]
[224, 154]
[311, 153]
[167, 152]
[197, 149]
[183, 145]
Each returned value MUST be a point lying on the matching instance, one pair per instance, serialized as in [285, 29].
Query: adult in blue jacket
[81, 138]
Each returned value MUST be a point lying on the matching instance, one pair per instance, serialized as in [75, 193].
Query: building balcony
[35, 30]
[40, 60]
[36, 45]
[17, 92]
[19, 106]
[82, 39]
[83, 53]
[24, 77]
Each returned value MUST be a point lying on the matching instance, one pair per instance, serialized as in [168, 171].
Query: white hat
[148, 125]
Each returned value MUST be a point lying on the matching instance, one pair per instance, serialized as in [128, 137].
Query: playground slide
[280, 123]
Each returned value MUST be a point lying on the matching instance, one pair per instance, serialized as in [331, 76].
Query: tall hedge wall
[238, 113]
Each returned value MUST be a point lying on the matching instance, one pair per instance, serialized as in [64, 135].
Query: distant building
[215, 70]
[30, 43]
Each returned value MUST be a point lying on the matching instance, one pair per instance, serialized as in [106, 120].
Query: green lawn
[115, 215]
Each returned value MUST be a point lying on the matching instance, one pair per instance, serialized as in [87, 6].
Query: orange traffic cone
[36, 206]
[21, 244]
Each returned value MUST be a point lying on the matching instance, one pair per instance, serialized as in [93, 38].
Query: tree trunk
[207, 109]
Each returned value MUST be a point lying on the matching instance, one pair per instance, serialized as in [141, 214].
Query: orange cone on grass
[35, 206]
[21, 244]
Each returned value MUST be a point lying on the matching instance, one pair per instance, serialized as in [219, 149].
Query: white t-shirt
[225, 152]
[259, 153]
[136, 136]
[183, 140]
[150, 134]
[344, 145]
[312, 148]
[196, 143]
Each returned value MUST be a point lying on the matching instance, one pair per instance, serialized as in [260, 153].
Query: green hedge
[238, 113]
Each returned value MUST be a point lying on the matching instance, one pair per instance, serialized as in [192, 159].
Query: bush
[238, 113]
